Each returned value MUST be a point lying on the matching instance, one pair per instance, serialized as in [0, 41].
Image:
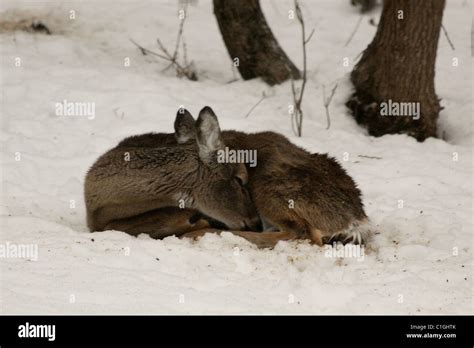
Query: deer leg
[260, 239]
[161, 223]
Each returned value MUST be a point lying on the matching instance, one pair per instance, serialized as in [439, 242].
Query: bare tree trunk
[399, 66]
[248, 37]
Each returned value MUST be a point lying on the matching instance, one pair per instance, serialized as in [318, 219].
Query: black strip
[224, 330]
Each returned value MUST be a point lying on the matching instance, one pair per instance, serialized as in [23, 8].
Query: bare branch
[358, 56]
[293, 89]
[333, 91]
[447, 36]
[180, 70]
[165, 51]
[176, 50]
[310, 36]
[370, 157]
[180, 33]
[185, 53]
[253, 107]
[186, 69]
[297, 116]
[327, 102]
[146, 51]
[354, 31]
[294, 126]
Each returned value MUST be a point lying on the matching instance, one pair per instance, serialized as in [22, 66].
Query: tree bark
[399, 65]
[248, 37]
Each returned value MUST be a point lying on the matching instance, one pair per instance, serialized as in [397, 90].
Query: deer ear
[184, 129]
[208, 134]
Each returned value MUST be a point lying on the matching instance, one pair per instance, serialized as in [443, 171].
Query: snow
[417, 194]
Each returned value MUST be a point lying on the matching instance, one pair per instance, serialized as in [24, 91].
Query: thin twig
[165, 51]
[294, 122]
[185, 69]
[303, 37]
[178, 40]
[294, 126]
[180, 33]
[310, 36]
[358, 56]
[354, 31]
[298, 97]
[185, 53]
[253, 107]
[447, 36]
[327, 102]
[370, 157]
[146, 51]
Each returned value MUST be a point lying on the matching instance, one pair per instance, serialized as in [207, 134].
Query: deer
[297, 195]
[140, 189]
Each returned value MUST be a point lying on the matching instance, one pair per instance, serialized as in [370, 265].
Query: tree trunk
[399, 66]
[248, 37]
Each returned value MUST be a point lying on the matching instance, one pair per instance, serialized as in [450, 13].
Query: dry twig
[354, 31]
[327, 102]
[182, 69]
[297, 115]
[447, 36]
[370, 157]
[253, 107]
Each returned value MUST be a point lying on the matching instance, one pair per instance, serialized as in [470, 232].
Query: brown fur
[326, 199]
[118, 193]
[327, 202]
[164, 222]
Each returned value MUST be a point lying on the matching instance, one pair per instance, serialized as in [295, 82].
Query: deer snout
[253, 224]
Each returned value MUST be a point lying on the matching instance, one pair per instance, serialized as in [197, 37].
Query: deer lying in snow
[175, 184]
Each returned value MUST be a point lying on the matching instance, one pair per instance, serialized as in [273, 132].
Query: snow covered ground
[419, 195]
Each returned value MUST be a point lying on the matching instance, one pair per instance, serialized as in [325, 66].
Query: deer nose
[253, 224]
